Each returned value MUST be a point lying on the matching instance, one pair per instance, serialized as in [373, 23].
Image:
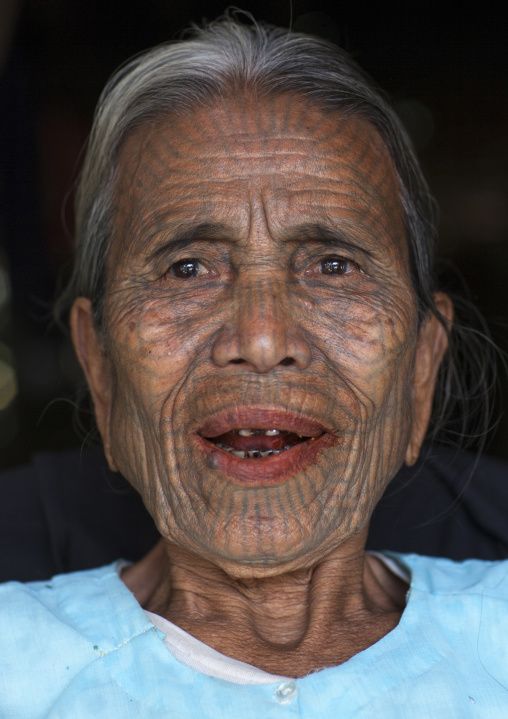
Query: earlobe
[431, 347]
[91, 357]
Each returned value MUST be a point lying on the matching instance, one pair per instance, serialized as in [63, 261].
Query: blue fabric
[80, 645]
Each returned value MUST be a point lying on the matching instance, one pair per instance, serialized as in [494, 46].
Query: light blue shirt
[80, 646]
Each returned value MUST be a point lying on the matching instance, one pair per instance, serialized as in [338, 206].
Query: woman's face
[257, 384]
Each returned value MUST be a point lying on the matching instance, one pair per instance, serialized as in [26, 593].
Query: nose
[263, 333]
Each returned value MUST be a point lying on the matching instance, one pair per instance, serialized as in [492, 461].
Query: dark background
[444, 65]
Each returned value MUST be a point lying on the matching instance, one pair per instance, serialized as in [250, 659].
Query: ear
[430, 349]
[93, 361]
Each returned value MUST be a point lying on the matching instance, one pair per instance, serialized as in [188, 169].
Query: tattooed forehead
[241, 164]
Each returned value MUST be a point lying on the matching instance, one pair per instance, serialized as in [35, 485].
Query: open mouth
[252, 443]
[256, 446]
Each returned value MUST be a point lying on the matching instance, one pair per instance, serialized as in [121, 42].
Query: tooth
[238, 453]
[253, 454]
[267, 453]
[246, 432]
[276, 451]
[272, 432]
[288, 446]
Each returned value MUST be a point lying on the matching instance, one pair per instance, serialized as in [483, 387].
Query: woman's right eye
[337, 266]
[187, 268]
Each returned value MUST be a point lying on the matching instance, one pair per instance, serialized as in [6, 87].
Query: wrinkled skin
[261, 197]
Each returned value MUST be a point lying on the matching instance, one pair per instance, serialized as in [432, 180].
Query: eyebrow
[316, 233]
[205, 232]
[184, 236]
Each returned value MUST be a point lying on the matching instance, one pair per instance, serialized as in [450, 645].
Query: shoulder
[57, 591]
[57, 634]
[462, 610]
[80, 645]
[52, 631]
[80, 602]
[437, 575]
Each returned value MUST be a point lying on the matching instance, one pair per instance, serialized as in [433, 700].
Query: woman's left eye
[187, 268]
[337, 266]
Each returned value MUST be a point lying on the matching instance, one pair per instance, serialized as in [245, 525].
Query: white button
[285, 692]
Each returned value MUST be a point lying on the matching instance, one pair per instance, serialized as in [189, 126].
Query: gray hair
[211, 63]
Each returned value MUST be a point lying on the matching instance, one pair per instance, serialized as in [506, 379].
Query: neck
[287, 624]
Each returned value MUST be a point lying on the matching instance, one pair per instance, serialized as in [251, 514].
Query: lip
[265, 471]
[260, 418]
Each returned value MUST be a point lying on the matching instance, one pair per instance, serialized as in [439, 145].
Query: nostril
[286, 362]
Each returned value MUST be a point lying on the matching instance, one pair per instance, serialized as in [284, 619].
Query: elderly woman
[254, 309]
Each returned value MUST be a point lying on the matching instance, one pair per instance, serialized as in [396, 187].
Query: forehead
[280, 159]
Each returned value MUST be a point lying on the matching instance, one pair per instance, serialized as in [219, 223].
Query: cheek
[368, 337]
[157, 346]
[157, 342]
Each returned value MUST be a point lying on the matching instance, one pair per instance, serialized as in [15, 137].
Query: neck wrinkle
[287, 625]
[280, 611]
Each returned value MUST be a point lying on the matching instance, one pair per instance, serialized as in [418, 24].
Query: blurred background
[446, 70]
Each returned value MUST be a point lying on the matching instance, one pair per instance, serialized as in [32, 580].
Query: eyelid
[191, 260]
[323, 256]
